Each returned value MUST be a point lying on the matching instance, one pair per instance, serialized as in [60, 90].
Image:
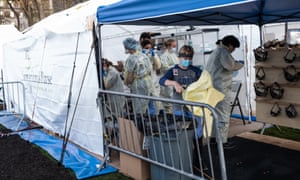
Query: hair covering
[131, 44]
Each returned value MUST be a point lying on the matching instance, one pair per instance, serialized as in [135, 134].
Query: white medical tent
[55, 60]
[7, 33]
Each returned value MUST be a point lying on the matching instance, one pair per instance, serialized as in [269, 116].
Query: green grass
[282, 132]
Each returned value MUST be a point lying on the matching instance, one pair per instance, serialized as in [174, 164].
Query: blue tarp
[199, 12]
[238, 116]
[83, 164]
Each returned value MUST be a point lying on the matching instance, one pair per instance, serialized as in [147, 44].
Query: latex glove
[241, 61]
[152, 52]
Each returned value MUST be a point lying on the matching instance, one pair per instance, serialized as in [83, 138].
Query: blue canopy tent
[197, 12]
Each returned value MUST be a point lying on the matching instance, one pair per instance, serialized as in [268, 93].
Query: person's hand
[178, 87]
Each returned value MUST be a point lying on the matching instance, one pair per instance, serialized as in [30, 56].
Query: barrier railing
[12, 98]
[170, 141]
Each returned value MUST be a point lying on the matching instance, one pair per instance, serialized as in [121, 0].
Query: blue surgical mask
[185, 62]
[146, 51]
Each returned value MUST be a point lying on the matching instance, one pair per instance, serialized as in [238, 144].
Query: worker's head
[231, 42]
[106, 63]
[147, 44]
[170, 44]
[145, 35]
[130, 45]
[185, 56]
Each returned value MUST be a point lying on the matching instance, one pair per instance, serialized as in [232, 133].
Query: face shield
[290, 73]
[291, 111]
[260, 54]
[276, 110]
[290, 56]
[261, 89]
[276, 91]
[260, 74]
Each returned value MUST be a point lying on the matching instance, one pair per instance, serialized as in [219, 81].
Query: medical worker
[137, 74]
[179, 77]
[147, 49]
[113, 82]
[168, 59]
[220, 65]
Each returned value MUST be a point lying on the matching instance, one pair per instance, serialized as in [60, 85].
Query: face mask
[173, 50]
[126, 51]
[186, 63]
[146, 51]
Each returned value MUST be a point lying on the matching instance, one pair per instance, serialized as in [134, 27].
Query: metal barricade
[170, 142]
[12, 98]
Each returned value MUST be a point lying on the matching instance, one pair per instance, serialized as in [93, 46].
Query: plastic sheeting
[83, 164]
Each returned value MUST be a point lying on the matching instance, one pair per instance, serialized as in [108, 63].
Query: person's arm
[176, 85]
[129, 70]
[110, 79]
[229, 63]
[128, 78]
[167, 80]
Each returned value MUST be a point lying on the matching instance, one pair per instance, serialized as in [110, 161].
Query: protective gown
[220, 65]
[202, 91]
[155, 67]
[113, 82]
[140, 65]
[168, 60]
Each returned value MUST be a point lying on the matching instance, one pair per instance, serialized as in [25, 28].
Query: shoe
[229, 145]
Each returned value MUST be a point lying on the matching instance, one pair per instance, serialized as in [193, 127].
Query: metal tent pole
[69, 103]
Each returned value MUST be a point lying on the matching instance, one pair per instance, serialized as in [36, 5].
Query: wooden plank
[131, 138]
[285, 143]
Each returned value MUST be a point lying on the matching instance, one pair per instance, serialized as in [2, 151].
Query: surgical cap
[131, 44]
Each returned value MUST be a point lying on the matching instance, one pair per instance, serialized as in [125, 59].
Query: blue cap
[131, 44]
